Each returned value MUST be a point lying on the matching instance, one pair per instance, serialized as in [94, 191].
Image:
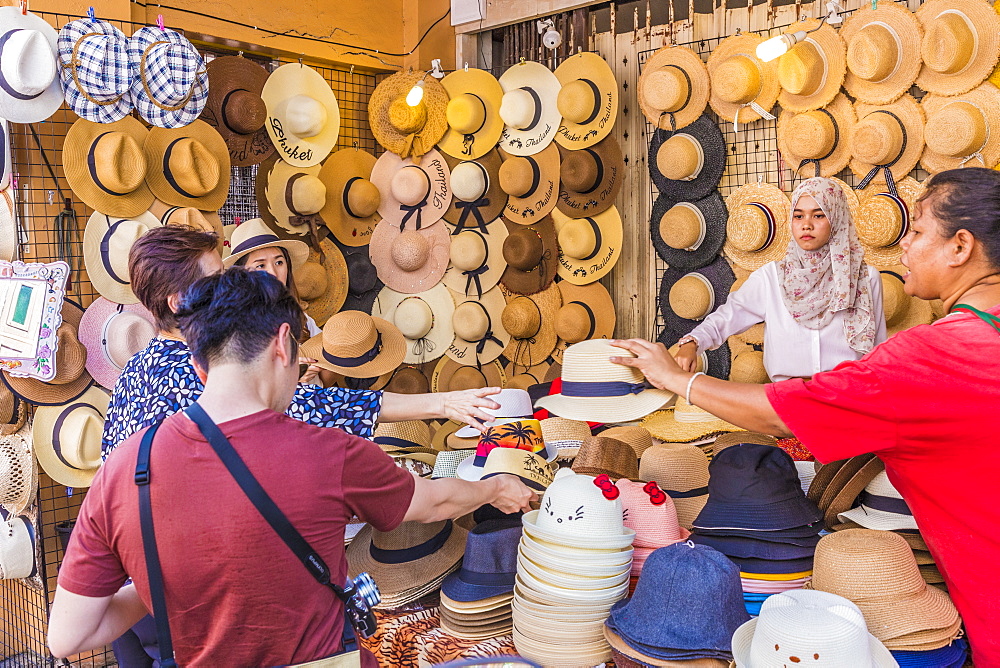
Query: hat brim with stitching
[706, 132]
[539, 78]
[713, 208]
[596, 71]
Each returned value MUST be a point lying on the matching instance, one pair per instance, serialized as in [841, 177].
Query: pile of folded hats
[573, 564]
[651, 514]
[758, 516]
[681, 471]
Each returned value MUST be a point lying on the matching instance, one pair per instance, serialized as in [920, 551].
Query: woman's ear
[174, 302]
[963, 247]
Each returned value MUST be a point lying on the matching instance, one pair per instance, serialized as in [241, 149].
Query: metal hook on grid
[300, 61]
[51, 196]
[355, 144]
[239, 54]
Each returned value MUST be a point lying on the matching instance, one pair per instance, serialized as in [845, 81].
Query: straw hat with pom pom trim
[587, 312]
[105, 165]
[960, 46]
[472, 114]
[352, 200]
[529, 109]
[531, 253]
[742, 83]
[963, 130]
[883, 220]
[476, 259]
[757, 231]
[883, 52]
[409, 260]
[673, 88]
[687, 165]
[193, 166]
[477, 198]
[688, 235]
[357, 345]
[816, 143]
[887, 137]
[423, 318]
[531, 322]
[236, 109]
[408, 131]
[477, 323]
[531, 183]
[589, 247]
[590, 178]
[322, 281]
[812, 71]
[415, 193]
[901, 310]
[449, 376]
[587, 102]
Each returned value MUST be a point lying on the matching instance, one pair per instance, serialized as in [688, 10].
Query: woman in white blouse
[821, 304]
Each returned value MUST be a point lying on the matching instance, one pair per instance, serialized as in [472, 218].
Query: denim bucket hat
[94, 70]
[490, 563]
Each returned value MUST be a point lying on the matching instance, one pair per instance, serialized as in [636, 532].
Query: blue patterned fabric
[160, 381]
[170, 88]
[96, 53]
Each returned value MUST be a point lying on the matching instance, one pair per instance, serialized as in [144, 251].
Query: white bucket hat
[17, 548]
[29, 85]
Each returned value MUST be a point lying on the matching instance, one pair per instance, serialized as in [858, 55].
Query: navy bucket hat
[490, 563]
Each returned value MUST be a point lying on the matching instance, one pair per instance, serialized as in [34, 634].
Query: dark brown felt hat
[532, 255]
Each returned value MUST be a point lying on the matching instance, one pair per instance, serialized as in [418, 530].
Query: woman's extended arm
[462, 406]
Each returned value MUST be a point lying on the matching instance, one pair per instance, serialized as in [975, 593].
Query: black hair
[967, 199]
[233, 316]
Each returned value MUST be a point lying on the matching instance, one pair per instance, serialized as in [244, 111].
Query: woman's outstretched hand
[467, 406]
[654, 361]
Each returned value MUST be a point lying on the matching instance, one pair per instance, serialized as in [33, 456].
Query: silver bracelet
[687, 393]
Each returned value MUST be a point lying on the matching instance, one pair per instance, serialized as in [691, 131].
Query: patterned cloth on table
[795, 449]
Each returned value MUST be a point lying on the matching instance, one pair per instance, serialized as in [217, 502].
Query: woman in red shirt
[925, 400]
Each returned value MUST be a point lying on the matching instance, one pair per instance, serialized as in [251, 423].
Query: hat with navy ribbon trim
[29, 82]
[188, 166]
[107, 241]
[68, 438]
[356, 344]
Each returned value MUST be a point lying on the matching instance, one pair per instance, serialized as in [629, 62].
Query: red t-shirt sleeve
[375, 489]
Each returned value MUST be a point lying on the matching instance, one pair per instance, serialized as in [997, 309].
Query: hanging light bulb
[416, 94]
[770, 49]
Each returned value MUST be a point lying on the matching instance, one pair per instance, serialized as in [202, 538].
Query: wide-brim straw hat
[530, 320]
[883, 220]
[253, 235]
[106, 167]
[638, 438]
[408, 131]
[687, 165]
[449, 376]
[960, 46]
[588, 100]
[202, 221]
[236, 109]
[357, 345]
[759, 226]
[673, 88]
[686, 297]
[531, 253]
[410, 261]
[812, 71]
[587, 312]
[477, 198]
[531, 183]
[589, 247]
[529, 109]
[363, 285]
[18, 473]
[590, 178]
[112, 334]
[891, 134]
[740, 80]
[962, 130]
[520, 378]
[688, 235]
[32, 55]
[290, 197]
[303, 117]
[415, 193]
[189, 166]
[322, 281]
[818, 139]
[352, 200]
[424, 318]
[479, 335]
[473, 113]
[685, 423]
[902, 311]
[883, 52]
[67, 437]
[404, 435]
[477, 261]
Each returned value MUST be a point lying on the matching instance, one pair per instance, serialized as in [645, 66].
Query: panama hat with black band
[477, 198]
[29, 85]
[587, 102]
[67, 437]
[688, 235]
[356, 344]
[188, 166]
[112, 334]
[590, 178]
[687, 165]
[236, 109]
[673, 88]
[254, 235]
[187, 216]
[107, 241]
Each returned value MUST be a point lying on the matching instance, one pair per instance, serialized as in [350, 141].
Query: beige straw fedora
[408, 130]
[404, 435]
[449, 376]
[253, 235]
[818, 138]
[352, 200]
[67, 438]
[473, 113]
[812, 71]
[529, 109]
[744, 88]
[236, 109]
[18, 473]
[531, 253]
[588, 100]
[590, 178]
[884, 219]
[887, 138]
[684, 423]
[415, 193]
[186, 216]
[587, 312]
[531, 183]
[589, 247]
[107, 241]
[477, 198]
[356, 344]
[902, 311]
[303, 118]
[758, 229]
[960, 47]
[409, 260]
[530, 322]
[681, 471]
[322, 281]
[962, 130]
[673, 87]
[424, 318]
[112, 334]
[189, 166]
[105, 165]
[477, 261]
[748, 367]
[290, 197]
[477, 323]
[883, 52]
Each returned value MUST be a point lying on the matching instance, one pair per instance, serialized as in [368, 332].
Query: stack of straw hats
[651, 514]
[686, 423]
[681, 471]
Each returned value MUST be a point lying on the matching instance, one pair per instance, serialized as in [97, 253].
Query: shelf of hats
[487, 240]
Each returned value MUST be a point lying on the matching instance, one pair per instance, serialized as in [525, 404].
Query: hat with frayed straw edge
[236, 109]
[352, 200]
[169, 78]
[408, 131]
[408, 260]
[883, 52]
[446, 464]
[476, 259]
[322, 281]
[673, 87]
[589, 248]
[449, 376]
[188, 166]
[682, 472]
[638, 437]
[738, 438]
[29, 82]
[595, 389]
[884, 219]
[529, 108]
[826, 489]
[473, 113]
[748, 367]
[590, 178]
[477, 198]
[107, 241]
[567, 435]
[531, 253]
[531, 183]
[587, 102]
[758, 230]
[587, 312]
[357, 345]
[521, 378]
[842, 498]
[599, 455]
[887, 138]
[881, 507]
[962, 130]
[687, 297]
[960, 46]
[816, 142]
[290, 197]
[67, 437]
[684, 423]
[626, 656]
[423, 318]
[112, 334]
[303, 117]
[743, 85]
[902, 311]
[688, 235]
[415, 193]
[479, 335]
[403, 435]
[531, 323]
[105, 165]
[18, 473]
[687, 165]
[812, 71]
[252, 235]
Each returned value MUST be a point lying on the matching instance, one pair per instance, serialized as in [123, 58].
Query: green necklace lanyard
[991, 320]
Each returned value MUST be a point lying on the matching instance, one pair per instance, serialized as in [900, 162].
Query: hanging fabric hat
[5, 164]
[410, 260]
[529, 109]
[449, 376]
[812, 71]
[744, 87]
[901, 310]
[884, 219]
[303, 117]
[107, 241]
[106, 167]
[590, 178]
[962, 130]
[423, 318]
[236, 109]
[473, 113]
[188, 166]
[68, 437]
[356, 344]
[254, 235]
[673, 88]
[415, 194]
[408, 130]
[479, 333]
[291, 197]
[688, 235]
[817, 142]
[363, 284]
[29, 85]
[112, 334]
[687, 297]
[758, 230]
[352, 200]
[531, 253]
[531, 183]
[475, 184]
[587, 312]
[887, 139]
[169, 77]
[687, 165]
[530, 321]
[587, 102]
[476, 259]
[589, 247]
[960, 47]
[322, 281]
[883, 51]
[94, 70]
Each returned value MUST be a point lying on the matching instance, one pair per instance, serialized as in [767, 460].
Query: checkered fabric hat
[94, 70]
[170, 82]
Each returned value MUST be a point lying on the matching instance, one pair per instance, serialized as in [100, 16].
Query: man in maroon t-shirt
[235, 593]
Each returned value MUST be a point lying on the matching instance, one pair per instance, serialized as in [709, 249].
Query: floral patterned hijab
[818, 284]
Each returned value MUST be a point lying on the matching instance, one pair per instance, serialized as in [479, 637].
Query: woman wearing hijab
[821, 304]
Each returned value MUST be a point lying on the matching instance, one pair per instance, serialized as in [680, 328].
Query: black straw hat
[688, 235]
[691, 162]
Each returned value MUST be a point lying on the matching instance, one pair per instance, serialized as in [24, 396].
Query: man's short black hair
[233, 316]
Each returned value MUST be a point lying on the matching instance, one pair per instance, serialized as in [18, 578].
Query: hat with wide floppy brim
[363, 285]
[236, 109]
[530, 322]
[685, 423]
[902, 311]
[687, 297]
[290, 197]
[67, 437]
[352, 200]
[673, 88]
[962, 130]
[189, 166]
[473, 113]
[408, 130]
[187, 216]
[29, 81]
[884, 219]
[531, 253]
[883, 52]
[322, 281]
[252, 235]
[107, 241]
[744, 87]
[531, 183]
[415, 193]
[587, 312]
[758, 230]
[424, 318]
[477, 198]
[887, 138]
[590, 178]
[687, 165]
[303, 117]
[94, 70]
[409, 260]
[477, 261]
[169, 78]
[587, 102]
[106, 166]
[358, 345]
[477, 323]
[112, 334]
[688, 235]
[449, 376]
[817, 142]
[589, 247]
[812, 71]
[960, 46]
[529, 109]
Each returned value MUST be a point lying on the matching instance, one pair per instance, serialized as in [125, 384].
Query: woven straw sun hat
[356, 344]
[601, 455]
[187, 216]
[410, 261]
[236, 109]
[902, 311]
[473, 113]
[566, 435]
[423, 318]
[67, 437]
[681, 471]
[587, 102]
[404, 129]
[686, 298]
[351, 208]
[169, 77]
[476, 259]
[748, 367]
[449, 376]
[531, 253]
[322, 281]
[13, 411]
[589, 247]
[530, 322]
[960, 47]
[479, 334]
[743, 85]
[812, 71]
[758, 230]
[195, 166]
[590, 178]
[18, 473]
[363, 284]
[94, 70]
[112, 334]
[587, 312]
[290, 197]
[883, 52]
[107, 241]
[29, 85]
[477, 198]
[685, 423]
[106, 167]
[673, 87]
[962, 130]
[818, 138]
[529, 109]
[687, 165]
[531, 183]
[415, 193]
[887, 138]
[303, 117]
[688, 235]
[884, 219]
[254, 235]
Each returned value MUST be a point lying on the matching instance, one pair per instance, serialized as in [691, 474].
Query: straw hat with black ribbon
[254, 235]
[688, 235]
[410, 260]
[673, 88]
[529, 109]
[423, 318]
[352, 200]
[883, 51]
[681, 471]
[408, 130]
[477, 198]
[186, 216]
[236, 109]
[887, 141]
[531, 253]
[744, 87]
[531, 322]
[473, 113]
[758, 229]
[687, 297]
[105, 165]
[588, 100]
[410, 379]
[477, 324]
[414, 193]
[195, 166]
[962, 130]
[848, 488]
[67, 437]
[816, 143]
[450, 376]
[687, 165]
[112, 334]
[589, 247]
[960, 46]
[812, 71]
[902, 311]
[169, 78]
[290, 197]
[29, 82]
[356, 344]
[363, 285]
[590, 178]
[587, 312]
[884, 219]
[531, 183]
[406, 435]
[322, 281]
[476, 259]
[107, 241]
[303, 117]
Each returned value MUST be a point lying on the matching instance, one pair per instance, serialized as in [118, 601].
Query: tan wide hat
[410, 379]
[415, 193]
[901, 310]
[531, 253]
[107, 241]
[587, 312]
[303, 117]
[477, 261]
[590, 178]
[424, 318]
[589, 247]
[473, 113]
[529, 109]
[816, 143]
[673, 87]
[960, 47]
[685, 423]
[530, 321]
[888, 137]
[356, 344]
[236, 109]
[588, 100]
[602, 455]
[67, 437]
[812, 71]
[352, 200]
[477, 198]
[962, 130]
[188, 166]
[478, 325]
[290, 197]
[253, 235]
[322, 281]
[681, 471]
[884, 219]
[186, 216]
[408, 131]
[409, 260]
[758, 229]
[883, 51]
[748, 367]
[531, 183]
[449, 376]
[744, 88]
[105, 165]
